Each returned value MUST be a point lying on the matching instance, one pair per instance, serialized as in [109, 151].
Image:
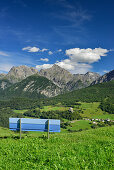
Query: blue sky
[74, 34]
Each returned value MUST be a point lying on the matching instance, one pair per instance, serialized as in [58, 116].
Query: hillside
[105, 78]
[58, 75]
[66, 80]
[48, 82]
[93, 93]
[2, 75]
[34, 86]
[4, 83]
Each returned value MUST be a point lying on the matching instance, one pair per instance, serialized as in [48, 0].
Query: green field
[54, 108]
[19, 111]
[90, 110]
[91, 149]
[80, 124]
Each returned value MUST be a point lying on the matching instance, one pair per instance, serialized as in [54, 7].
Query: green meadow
[90, 110]
[19, 111]
[54, 108]
[89, 150]
[86, 149]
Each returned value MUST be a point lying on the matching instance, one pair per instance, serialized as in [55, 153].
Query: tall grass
[92, 149]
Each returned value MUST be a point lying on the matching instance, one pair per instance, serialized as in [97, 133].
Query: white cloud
[44, 49]
[44, 59]
[59, 50]
[66, 64]
[74, 67]
[50, 52]
[105, 71]
[44, 66]
[79, 60]
[86, 55]
[3, 53]
[31, 49]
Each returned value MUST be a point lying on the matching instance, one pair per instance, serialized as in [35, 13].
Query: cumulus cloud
[44, 49]
[59, 50]
[79, 60]
[44, 66]
[50, 52]
[31, 49]
[74, 67]
[44, 59]
[106, 71]
[3, 53]
[86, 55]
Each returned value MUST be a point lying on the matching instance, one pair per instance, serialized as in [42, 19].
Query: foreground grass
[90, 149]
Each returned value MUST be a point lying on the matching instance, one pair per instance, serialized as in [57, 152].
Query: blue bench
[26, 124]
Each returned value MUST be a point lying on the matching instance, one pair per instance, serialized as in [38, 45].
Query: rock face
[19, 73]
[105, 78]
[87, 78]
[34, 86]
[57, 75]
[2, 75]
[4, 83]
[66, 80]
[26, 81]
[82, 80]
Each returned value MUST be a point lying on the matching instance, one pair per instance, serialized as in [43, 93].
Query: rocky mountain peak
[56, 67]
[19, 73]
[2, 75]
[58, 75]
[105, 78]
[92, 74]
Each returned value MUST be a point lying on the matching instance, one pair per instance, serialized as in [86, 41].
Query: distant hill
[81, 80]
[34, 86]
[20, 99]
[105, 78]
[93, 93]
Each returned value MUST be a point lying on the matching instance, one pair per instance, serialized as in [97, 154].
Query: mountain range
[24, 81]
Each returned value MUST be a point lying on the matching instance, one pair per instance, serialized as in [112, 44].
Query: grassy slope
[92, 110]
[54, 108]
[92, 149]
[93, 93]
[80, 124]
[33, 84]
[19, 111]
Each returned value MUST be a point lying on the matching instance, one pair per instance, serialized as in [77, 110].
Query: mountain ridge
[19, 73]
[105, 78]
[34, 86]
[61, 80]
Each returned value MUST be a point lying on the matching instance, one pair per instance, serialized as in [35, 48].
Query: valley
[86, 112]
